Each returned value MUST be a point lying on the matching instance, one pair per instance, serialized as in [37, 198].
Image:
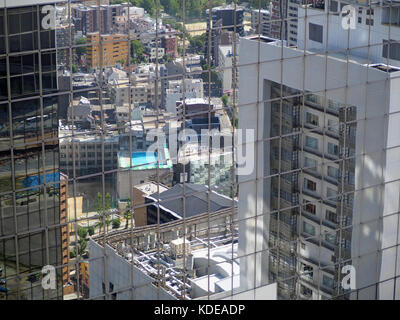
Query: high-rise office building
[324, 196]
[30, 198]
[226, 19]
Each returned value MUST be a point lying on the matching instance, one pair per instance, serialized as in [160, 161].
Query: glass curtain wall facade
[199, 149]
[29, 187]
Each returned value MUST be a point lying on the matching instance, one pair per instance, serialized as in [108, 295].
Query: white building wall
[366, 39]
[129, 281]
[374, 163]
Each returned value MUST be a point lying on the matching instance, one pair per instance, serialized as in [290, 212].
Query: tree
[127, 214]
[91, 231]
[116, 223]
[74, 68]
[103, 212]
[171, 6]
[197, 43]
[81, 50]
[137, 51]
[82, 233]
[82, 244]
[224, 99]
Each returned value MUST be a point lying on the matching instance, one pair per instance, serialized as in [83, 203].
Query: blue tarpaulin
[37, 180]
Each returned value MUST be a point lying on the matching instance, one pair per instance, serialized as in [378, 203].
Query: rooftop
[196, 200]
[176, 253]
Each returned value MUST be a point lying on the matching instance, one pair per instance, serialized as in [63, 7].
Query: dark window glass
[45, 40]
[15, 65]
[13, 24]
[3, 89]
[2, 45]
[334, 6]
[14, 45]
[1, 25]
[16, 86]
[393, 49]
[28, 63]
[29, 84]
[27, 42]
[315, 32]
[26, 22]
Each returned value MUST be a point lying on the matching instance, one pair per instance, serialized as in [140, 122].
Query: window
[308, 228]
[312, 142]
[315, 32]
[310, 164]
[327, 281]
[333, 126]
[310, 185]
[331, 216]
[330, 238]
[331, 194]
[333, 172]
[333, 149]
[312, 119]
[369, 22]
[307, 270]
[309, 207]
[334, 6]
[391, 49]
[305, 291]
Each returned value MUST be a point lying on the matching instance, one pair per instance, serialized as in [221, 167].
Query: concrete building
[284, 19]
[221, 168]
[86, 17]
[169, 205]
[114, 49]
[142, 167]
[170, 45]
[227, 73]
[194, 108]
[326, 221]
[225, 19]
[193, 88]
[139, 93]
[84, 148]
[127, 261]
[261, 22]
[369, 39]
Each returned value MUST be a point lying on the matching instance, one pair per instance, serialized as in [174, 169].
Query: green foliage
[225, 99]
[74, 68]
[171, 6]
[82, 233]
[91, 231]
[82, 244]
[137, 51]
[127, 214]
[81, 50]
[116, 223]
[101, 212]
[148, 5]
[72, 254]
[197, 43]
[255, 4]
